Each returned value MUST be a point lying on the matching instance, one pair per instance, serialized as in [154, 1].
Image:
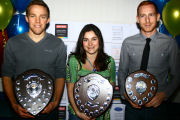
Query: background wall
[111, 11]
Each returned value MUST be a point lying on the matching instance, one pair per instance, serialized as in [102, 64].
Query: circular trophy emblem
[141, 87]
[33, 90]
[93, 94]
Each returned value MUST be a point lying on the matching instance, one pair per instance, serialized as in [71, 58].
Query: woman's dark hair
[102, 59]
[37, 2]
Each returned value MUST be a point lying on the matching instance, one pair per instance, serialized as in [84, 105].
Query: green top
[73, 73]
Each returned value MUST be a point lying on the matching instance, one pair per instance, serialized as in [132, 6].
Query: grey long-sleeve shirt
[21, 54]
[163, 58]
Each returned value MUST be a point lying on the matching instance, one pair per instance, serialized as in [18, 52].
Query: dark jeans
[159, 113]
[51, 116]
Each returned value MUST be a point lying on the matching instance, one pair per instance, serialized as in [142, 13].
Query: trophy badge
[33, 90]
[141, 86]
[93, 94]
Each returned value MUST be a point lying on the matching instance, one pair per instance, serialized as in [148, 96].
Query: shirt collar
[152, 37]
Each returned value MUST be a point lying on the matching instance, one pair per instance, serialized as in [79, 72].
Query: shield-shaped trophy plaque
[93, 94]
[141, 87]
[33, 89]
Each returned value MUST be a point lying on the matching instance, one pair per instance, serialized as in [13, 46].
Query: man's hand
[132, 104]
[50, 107]
[157, 100]
[21, 111]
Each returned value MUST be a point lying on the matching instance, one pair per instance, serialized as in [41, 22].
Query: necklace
[94, 69]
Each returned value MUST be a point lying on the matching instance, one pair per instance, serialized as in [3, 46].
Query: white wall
[106, 11]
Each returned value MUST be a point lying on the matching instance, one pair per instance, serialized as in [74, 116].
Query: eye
[94, 39]
[85, 40]
[43, 17]
[31, 16]
[142, 15]
[152, 15]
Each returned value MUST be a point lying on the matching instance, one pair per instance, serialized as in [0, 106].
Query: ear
[158, 17]
[48, 20]
[137, 19]
[26, 19]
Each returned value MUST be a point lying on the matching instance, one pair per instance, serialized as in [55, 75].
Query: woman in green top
[89, 57]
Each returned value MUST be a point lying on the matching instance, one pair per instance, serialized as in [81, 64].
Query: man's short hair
[37, 2]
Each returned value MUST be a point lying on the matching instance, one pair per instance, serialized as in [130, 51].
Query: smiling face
[90, 43]
[37, 19]
[147, 18]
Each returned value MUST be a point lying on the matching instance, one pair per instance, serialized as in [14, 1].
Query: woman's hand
[82, 116]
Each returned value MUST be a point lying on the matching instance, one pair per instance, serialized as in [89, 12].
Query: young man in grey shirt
[163, 61]
[35, 49]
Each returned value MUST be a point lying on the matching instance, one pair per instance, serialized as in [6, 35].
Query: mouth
[90, 48]
[148, 25]
[37, 26]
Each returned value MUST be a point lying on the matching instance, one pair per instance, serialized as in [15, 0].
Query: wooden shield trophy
[141, 87]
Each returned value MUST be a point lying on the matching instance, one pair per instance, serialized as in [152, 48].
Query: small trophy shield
[33, 90]
[141, 86]
[93, 94]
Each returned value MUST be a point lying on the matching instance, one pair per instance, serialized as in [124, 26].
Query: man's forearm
[59, 88]
[8, 88]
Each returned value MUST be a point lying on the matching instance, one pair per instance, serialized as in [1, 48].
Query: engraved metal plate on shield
[141, 86]
[93, 94]
[33, 90]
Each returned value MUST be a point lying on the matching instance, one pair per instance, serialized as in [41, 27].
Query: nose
[37, 19]
[89, 42]
[147, 19]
